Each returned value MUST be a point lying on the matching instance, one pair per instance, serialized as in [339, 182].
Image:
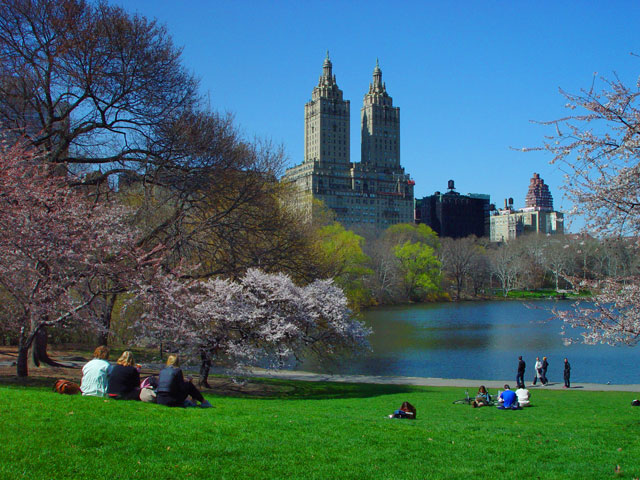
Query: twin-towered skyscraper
[375, 191]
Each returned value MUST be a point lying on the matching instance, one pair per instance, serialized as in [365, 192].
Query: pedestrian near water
[545, 365]
[521, 368]
[537, 374]
[567, 374]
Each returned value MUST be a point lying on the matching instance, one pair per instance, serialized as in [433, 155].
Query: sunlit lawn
[319, 430]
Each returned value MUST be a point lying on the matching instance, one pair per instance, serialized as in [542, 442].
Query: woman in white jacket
[538, 369]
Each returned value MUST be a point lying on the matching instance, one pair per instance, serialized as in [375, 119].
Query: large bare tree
[103, 92]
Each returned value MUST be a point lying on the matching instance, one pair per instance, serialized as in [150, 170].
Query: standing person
[520, 376]
[545, 366]
[567, 374]
[95, 374]
[172, 388]
[124, 382]
[538, 371]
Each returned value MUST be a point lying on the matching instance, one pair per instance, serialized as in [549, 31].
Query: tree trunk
[23, 355]
[103, 336]
[39, 351]
[205, 366]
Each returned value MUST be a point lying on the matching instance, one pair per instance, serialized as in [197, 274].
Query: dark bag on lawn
[66, 387]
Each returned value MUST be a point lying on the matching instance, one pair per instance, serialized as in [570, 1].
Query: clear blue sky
[468, 76]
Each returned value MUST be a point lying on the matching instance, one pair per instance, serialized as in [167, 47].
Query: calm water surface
[482, 340]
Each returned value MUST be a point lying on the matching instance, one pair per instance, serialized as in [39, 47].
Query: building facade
[375, 191]
[454, 215]
[538, 216]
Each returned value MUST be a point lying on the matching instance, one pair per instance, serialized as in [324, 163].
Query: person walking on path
[520, 376]
[545, 366]
[537, 374]
[567, 374]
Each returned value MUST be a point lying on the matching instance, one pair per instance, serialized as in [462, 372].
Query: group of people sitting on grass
[122, 381]
[507, 399]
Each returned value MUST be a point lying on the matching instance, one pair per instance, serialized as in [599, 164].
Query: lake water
[482, 340]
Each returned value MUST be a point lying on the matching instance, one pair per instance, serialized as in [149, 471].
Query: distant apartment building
[375, 191]
[454, 215]
[537, 216]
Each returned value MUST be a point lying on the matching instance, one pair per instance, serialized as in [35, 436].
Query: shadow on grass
[258, 388]
[297, 389]
[266, 388]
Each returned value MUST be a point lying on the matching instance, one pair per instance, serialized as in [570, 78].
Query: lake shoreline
[469, 384]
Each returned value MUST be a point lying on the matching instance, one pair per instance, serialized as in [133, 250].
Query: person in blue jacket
[508, 399]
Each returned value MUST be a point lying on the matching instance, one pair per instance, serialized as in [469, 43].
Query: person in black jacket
[124, 382]
[172, 388]
[567, 374]
[520, 376]
[545, 366]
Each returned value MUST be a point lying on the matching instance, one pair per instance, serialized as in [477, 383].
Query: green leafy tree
[409, 232]
[421, 269]
[342, 258]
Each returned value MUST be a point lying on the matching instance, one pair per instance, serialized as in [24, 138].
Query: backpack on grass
[66, 387]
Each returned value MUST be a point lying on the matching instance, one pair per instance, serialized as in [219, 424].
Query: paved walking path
[434, 382]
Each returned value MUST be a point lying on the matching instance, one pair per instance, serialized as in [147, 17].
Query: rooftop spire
[377, 78]
[327, 79]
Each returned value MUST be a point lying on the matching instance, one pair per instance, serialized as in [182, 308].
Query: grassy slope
[318, 431]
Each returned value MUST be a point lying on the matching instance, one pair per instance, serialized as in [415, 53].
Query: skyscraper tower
[376, 192]
[380, 126]
[538, 195]
[326, 121]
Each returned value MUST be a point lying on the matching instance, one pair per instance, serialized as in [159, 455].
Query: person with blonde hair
[124, 382]
[173, 389]
[95, 373]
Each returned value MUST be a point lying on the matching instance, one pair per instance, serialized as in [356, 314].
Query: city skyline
[469, 79]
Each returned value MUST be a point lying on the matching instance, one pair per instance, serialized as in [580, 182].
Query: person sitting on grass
[124, 382]
[483, 398]
[507, 399]
[172, 388]
[523, 397]
[406, 411]
[95, 373]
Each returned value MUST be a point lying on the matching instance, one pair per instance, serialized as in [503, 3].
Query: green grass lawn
[319, 430]
[545, 293]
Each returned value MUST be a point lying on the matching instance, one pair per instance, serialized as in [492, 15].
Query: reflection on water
[481, 340]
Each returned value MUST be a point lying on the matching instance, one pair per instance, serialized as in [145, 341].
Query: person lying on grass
[124, 382]
[173, 390]
[406, 411]
[508, 400]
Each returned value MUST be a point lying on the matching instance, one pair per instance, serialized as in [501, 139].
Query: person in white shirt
[523, 397]
[95, 374]
[538, 371]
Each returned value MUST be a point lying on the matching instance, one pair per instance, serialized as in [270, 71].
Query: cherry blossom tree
[261, 319]
[598, 145]
[60, 248]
